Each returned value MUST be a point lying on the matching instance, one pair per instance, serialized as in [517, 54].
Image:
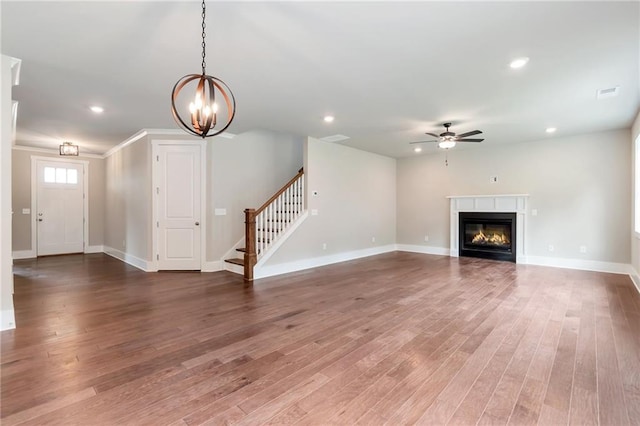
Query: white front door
[178, 207]
[59, 207]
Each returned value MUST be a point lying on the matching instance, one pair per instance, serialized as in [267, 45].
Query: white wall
[127, 225]
[579, 185]
[7, 319]
[243, 173]
[21, 197]
[356, 202]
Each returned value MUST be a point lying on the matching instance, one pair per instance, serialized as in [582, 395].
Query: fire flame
[495, 239]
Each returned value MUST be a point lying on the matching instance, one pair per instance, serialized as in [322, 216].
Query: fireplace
[487, 235]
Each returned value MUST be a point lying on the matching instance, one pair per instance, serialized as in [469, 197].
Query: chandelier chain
[204, 44]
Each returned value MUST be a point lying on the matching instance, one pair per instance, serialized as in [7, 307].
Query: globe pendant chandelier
[213, 106]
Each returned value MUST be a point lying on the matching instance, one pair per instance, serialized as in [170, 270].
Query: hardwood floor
[393, 339]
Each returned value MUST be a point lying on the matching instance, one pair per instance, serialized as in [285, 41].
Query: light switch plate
[314, 212]
[26, 211]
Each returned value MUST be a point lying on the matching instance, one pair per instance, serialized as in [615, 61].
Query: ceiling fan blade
[469, 140]
[471, 133]
[433, 134]
[421, 142]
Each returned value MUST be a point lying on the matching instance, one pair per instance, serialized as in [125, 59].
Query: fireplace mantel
[507, 203]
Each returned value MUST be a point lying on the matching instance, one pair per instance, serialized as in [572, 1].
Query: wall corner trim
[635, 278]
[8, 321]
[94, 249]
[141, 264]
[24, 254]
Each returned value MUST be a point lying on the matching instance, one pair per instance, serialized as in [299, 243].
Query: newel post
[250, 257]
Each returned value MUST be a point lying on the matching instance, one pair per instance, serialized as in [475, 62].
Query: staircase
[265, 225]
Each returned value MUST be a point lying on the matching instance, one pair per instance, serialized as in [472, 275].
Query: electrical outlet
[534, 212]
[426, 238]
[551, 247]
[324, 246]
[583, 249]
[124, 243]
[314, 212]
[373, 239]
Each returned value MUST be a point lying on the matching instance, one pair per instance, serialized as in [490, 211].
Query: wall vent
[335, 138]
[608, 93]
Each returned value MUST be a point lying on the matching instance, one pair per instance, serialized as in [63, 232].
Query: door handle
[197, 223]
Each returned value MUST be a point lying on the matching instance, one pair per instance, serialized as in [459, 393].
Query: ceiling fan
[449, 139]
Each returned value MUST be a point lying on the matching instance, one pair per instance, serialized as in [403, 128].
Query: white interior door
[178, 207]
[59, 207]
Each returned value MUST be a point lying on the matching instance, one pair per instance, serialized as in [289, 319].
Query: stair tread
[235, 261]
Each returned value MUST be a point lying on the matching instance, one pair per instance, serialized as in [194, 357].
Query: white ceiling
[388, 71]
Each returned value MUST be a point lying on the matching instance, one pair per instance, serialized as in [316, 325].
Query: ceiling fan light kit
[448, 139]
[446, 144]
[205, 111]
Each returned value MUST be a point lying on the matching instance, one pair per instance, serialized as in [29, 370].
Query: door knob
[197, 223]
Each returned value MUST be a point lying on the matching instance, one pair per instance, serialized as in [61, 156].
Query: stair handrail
[279, 193]
[251, 238]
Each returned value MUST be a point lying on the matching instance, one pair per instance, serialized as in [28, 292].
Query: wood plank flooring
[394, 339]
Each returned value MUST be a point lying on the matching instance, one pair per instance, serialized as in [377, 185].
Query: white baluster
[283, 204]
[290, 201]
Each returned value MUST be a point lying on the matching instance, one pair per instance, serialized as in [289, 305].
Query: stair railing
[264, 225]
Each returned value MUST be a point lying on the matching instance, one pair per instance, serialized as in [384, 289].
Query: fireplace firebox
[487, 235]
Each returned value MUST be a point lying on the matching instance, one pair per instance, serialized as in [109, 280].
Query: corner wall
[21, 199]
[7, 317]
[635, 238]
[244, 172]
[355, 202]
[580, 187]
[127, 225]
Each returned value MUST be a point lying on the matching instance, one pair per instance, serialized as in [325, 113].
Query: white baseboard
[8, 320]
[94, 249]
[24, 254]
[635, 278]
[142, 264]
[442, 251]
[586, 265]
[212, 266]
[284, 268]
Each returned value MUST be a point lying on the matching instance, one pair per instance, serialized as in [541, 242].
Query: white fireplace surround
[508, 203]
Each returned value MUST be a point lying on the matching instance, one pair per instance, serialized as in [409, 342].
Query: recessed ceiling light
[550, 129]
[96, 109]
[417, 149]
[519, 63]
[329, 118]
